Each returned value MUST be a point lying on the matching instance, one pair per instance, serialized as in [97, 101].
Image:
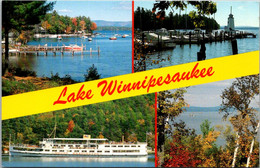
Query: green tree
[92, 74]
[202, 8]
[205, 128]
[20, 15]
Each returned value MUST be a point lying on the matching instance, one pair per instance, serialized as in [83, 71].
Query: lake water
[185, 54]
[9, 161]
[115, 57]
[195, 119]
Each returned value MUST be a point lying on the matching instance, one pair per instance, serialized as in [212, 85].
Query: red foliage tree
[71, 125]
[180, 156]
[74, 21]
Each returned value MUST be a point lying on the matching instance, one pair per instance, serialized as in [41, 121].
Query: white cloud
[241, 8]
[124, 5]
[65, 11]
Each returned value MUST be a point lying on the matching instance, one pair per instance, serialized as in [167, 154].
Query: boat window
[91, 151]
[76, 151]
[138, 145]
[77, 145]
[61, 150]
[133, 146]
[47, 150]
[99, 151]
[107, 151]
[126, 146]
[54, 150]
[69, 150]
[113, 145]
[120, 145]
[84, 151]
[107, 146]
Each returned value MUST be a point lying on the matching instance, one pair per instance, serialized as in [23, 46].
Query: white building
[230, 24]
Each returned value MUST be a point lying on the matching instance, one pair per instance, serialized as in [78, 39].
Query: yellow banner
[130, 85]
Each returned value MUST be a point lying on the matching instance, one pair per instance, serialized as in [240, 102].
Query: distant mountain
[202, 109]
[103, 23]
[206, 109]
[242, 27]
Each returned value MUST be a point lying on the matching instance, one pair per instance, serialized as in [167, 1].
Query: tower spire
[230, 9]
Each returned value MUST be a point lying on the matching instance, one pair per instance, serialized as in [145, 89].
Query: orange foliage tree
[71, 125]
[82, 24]
[93, 26]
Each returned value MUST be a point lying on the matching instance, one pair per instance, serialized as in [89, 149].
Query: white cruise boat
[82, 147]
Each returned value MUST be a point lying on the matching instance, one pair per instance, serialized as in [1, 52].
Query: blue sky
[208, 95]
[245, 13]
[102, 10]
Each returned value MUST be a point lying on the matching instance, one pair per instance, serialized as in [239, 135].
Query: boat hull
[41, 154]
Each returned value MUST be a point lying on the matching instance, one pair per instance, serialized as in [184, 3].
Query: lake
[115, 57]
[193, 118]
[185, 54]
[9, 161]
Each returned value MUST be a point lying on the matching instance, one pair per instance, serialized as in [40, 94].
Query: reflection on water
[145, 161]
[114, 59]
[188, 53]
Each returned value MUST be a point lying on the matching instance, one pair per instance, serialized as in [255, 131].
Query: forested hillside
[132, 117]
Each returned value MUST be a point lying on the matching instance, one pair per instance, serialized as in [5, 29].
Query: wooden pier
[53, 49]
[181, 38]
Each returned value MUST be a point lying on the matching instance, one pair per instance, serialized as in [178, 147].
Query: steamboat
[80, 147]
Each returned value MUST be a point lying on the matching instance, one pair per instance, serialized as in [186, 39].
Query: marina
[113, 53]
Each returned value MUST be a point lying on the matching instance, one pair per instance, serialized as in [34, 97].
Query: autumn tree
[20, 15]
[239, 97]
[93, 26]
[182, 149]
[170, 104]
[180, 155]
[82, 24]
[74, 24]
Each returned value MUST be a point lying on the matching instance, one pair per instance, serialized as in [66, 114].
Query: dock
[171, 37]
[52, 49]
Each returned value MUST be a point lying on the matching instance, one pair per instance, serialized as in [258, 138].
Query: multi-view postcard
[130, 83]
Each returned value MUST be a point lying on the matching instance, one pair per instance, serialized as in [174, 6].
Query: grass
[10, 87]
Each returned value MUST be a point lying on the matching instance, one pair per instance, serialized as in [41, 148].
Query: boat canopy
[76, 139]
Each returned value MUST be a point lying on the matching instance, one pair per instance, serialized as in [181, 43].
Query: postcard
[130, 83]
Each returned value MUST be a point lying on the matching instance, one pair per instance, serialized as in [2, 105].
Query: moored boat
[53, 36]
[73, 47]
[59, 38]
[113, 38]
[125, 35]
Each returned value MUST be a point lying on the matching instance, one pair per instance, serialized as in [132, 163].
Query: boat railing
[59, 147]
[25, 145]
